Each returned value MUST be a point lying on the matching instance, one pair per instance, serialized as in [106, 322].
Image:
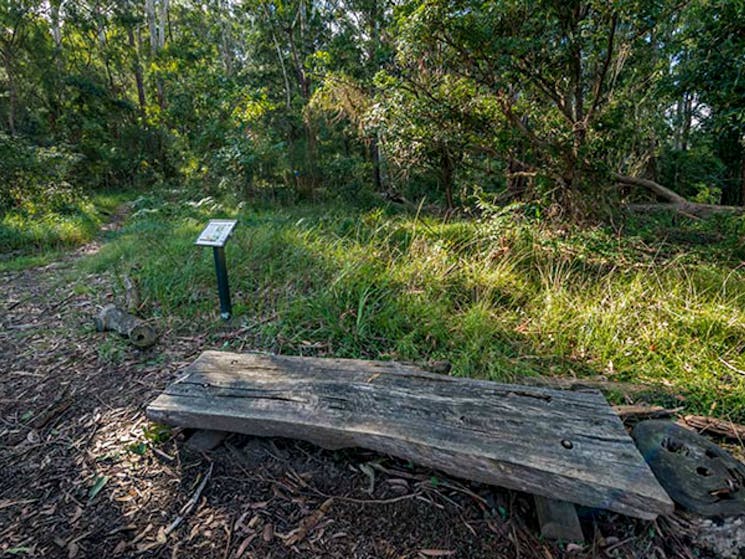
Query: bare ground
[83, 475]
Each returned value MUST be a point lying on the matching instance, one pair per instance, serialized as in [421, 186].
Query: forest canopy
[581, 104]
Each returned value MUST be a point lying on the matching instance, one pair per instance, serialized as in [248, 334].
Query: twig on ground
[731, 367]
[230, 538]
[55, 305]
[713, 425]
[161, 454]
[637, 412]
[190, 504]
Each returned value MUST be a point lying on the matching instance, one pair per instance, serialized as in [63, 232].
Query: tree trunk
[162, 23]
[375, 157]
[687, 121]
[731, 152]
[742, 171]
[137, 70]
[55, 25]
[446, 174]
[516, 178]
[12, 95]
[56, 93]
[226, 48]
[372, 49]
[152, 27]
[312, 173]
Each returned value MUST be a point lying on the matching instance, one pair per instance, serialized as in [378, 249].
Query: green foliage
[35, 178]
[697, 172]
[156, 433]
[33, 233]
[295, 99]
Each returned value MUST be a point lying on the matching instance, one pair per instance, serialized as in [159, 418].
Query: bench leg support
[558, 520]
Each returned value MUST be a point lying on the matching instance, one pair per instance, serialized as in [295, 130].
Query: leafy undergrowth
[500, 297]
[33, 236]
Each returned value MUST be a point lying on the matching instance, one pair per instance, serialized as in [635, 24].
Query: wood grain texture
[569, 446]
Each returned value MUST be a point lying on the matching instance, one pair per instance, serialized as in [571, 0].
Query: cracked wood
[563, 445]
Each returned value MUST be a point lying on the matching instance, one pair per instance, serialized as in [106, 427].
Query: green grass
[500, 297]
[36, 236]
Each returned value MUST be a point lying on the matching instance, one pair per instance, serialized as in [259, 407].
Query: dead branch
[713, 425]
[677, 202]
[658, 189]
[638, 412]
[190, 504]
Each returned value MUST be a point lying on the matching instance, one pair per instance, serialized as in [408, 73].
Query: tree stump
[115, 319]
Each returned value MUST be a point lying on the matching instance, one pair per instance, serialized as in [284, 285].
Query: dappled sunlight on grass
[497, 298]
[33, 236]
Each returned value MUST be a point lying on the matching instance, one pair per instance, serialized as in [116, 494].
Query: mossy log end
[134, 329]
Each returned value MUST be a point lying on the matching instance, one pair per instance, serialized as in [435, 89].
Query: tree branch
[677, 202]
[658, 189]
[598, 89]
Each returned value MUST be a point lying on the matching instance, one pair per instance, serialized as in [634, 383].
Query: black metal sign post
[216, 234]
[223, 289]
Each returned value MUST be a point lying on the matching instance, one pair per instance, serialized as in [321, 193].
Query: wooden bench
[567, 446]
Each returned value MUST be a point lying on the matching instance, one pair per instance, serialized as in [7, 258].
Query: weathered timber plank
[569, 446]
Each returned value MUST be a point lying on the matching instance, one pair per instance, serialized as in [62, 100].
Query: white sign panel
[216, 233]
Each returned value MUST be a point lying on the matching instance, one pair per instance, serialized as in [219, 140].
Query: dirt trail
[82, 474]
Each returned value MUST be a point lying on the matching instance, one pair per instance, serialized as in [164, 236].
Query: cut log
[129, 326]
[697, 474]
[558, 520]
[569, 446]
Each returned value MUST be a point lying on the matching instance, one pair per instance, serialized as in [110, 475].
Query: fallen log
[677, 203]
[564, 445]
[689, 209]
[131, 294]
[656, 188]
[136, 330]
